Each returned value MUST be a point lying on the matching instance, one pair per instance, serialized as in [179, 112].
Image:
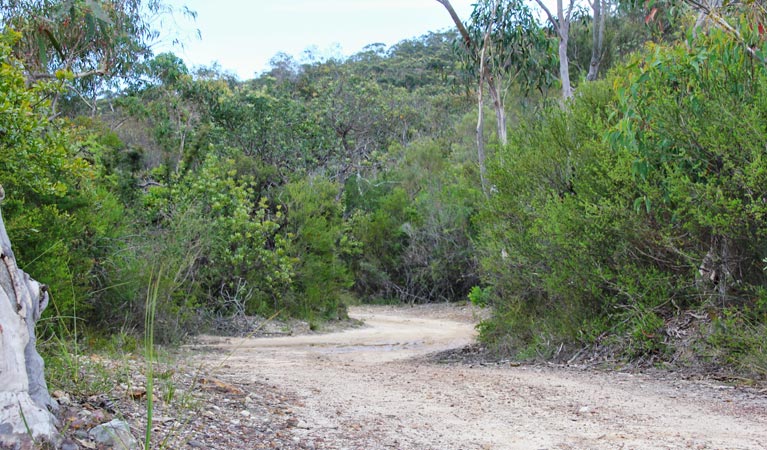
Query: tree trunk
[598, 37]
[484, 77]
[457, 20]
[500, 112]
[564, 36]
[717, 270]
[480, 136]
[564, 62]
[561, 24]
[24, 401]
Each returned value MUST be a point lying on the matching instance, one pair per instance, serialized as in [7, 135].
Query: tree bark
[484, 73]
[480, 128]
[561, 24]
[564, 62]
[25, 418]
[500, 112]
[598, 37]
[457, 20]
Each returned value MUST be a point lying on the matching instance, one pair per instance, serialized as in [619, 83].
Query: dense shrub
[59, 213]
[414, 226]
[643, 197]
[321, 248]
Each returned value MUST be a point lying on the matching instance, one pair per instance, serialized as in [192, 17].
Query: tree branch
[718, 20]
[570, 10]
[548, 14]
[146, 183]
[461, 28]
[50, 76]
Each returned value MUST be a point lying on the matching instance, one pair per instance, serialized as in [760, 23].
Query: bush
[321, 247]
[59, 213]
[642, 198]
[414, 226]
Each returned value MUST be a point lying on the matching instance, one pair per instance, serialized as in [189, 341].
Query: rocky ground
[399, 382]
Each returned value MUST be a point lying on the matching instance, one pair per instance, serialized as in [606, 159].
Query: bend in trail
[366, 388]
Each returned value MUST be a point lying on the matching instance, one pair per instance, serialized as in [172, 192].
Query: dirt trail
[366, 388]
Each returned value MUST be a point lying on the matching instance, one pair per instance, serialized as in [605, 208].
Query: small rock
[162, 419]
[62, 398]
[115, 434]
[81, 434]
[57, 394]
[214, 384]
[98, 416]
[584, 410]
[137, 393]
[245, 413]
[69, 445]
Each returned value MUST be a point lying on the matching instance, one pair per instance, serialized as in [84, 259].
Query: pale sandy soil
[370, 388]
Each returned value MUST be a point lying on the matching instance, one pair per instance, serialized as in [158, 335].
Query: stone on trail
[115, 434]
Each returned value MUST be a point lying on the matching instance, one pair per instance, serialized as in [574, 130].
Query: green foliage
[414, 226]
[321, 181]
[639, 199]
[554, 222]
[479, 297]
[699, 173]
[518, 50]
[82, 43]
[321, 247]
[224, 239]
[426, 62]
[735, 338]
[381, 230]
[57, 211]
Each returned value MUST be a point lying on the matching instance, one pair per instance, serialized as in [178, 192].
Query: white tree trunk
[24, 400]
[564, 62]
[561, 24]
[563, 28]
[598, 37]
[500, 112]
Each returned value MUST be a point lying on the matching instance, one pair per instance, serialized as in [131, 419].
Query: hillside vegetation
[628, 219]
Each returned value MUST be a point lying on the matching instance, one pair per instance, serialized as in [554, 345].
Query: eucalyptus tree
[36, 168]
[600, 9]
[363, 115]
[505, 44]
[85, 43]
[561, 25]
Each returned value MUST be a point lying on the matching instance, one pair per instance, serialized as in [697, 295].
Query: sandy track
[366, 389]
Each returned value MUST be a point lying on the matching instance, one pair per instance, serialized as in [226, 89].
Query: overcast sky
[243, 35]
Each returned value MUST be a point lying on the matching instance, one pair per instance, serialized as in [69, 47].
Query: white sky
[243, 35]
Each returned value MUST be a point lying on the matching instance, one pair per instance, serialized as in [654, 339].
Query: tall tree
[561, 24]
[504, 44]
[598, 37]
[472, 47]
